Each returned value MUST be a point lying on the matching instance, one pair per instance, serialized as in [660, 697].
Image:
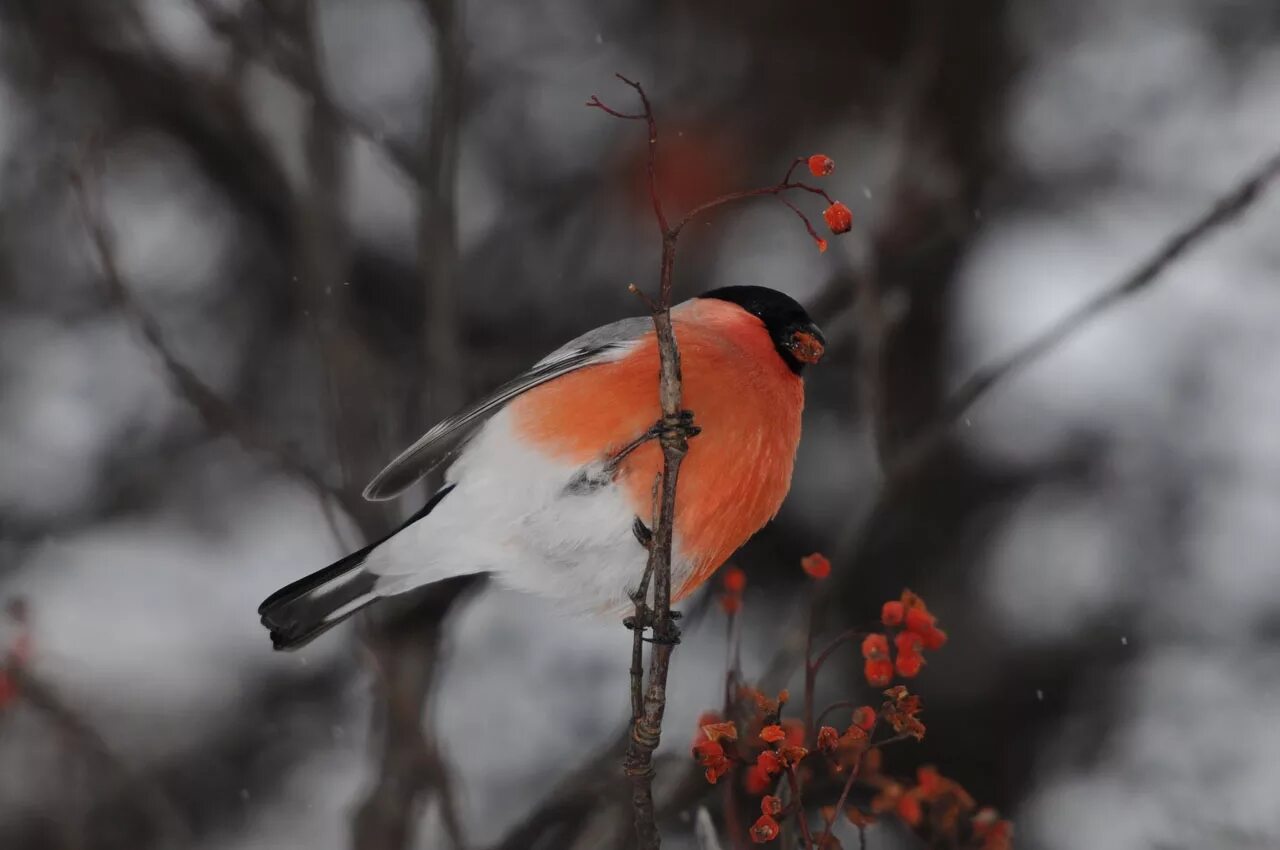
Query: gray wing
[448, 436]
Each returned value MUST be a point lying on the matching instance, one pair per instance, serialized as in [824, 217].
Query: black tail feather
[298, 613]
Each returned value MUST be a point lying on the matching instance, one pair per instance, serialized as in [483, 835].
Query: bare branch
[652, 125]
[648, 710]
[90, 746]
[218, 415]
[1225, 210]
[406, 642]
[291, 64]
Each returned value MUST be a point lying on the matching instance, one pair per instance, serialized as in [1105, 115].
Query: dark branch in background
[207, 112]
[405, 638]
[674, 429]
[405, 650]
[265, 42]
[1224, 211]
[438, 266]
[218, 415]
[81, 737]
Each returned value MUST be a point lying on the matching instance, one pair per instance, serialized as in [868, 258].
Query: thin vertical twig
[646, 726]
[676, 427]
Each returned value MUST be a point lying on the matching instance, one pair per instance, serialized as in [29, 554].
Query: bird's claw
[667, 633]
[664, 632]
[642, 532]
[680, 425]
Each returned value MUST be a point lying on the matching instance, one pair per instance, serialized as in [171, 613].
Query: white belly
[514, 515]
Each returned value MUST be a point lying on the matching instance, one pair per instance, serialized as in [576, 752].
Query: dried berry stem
[844, 798]
[796, 800]
[835, 706]
[851, 634]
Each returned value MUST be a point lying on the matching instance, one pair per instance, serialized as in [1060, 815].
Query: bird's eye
[806, 347]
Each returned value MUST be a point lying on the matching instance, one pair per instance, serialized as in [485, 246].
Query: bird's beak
[807, 346]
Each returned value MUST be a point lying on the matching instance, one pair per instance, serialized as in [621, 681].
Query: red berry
[820, 165]
[879, 672]
[764, 830]
[839, 217]
[816, 565]
[735, 580]
[875, 646]
[919, 621]
[864, 717]
[908, 664]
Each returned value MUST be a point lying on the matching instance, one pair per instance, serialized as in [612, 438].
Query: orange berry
[879, 672]
[772, 734]
[771, 805]
[769, 762]
[838, 217]
[875, 646]
[908, 642]
[764, 830]
[891, 614]
[864, 717]
[908, 809]
[930, 781]
[816, 565]
[908, 664]
[820, 165]
[920, 621]
[734, 580]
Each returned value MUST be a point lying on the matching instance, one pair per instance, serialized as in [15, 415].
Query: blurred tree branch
[314, 220]
[1224, 211]
[265, 41]
[218, 415]
[405, 639]
[88, 744]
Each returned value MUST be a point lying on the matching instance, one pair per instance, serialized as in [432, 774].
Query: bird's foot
[665, 631]
[681, 426]
[642, 532]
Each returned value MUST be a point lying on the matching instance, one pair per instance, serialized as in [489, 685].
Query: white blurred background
[344, 217]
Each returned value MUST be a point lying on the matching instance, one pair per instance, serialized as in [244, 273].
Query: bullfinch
[553, 475]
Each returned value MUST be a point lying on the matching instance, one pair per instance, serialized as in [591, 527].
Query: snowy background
[1100, 535]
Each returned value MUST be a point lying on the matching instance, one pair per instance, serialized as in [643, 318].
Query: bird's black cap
[798, 340]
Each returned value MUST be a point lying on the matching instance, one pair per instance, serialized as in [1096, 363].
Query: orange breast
[745, 399]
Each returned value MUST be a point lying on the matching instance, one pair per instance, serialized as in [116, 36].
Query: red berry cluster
[919, 632]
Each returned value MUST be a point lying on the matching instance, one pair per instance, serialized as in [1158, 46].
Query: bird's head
[798, 340]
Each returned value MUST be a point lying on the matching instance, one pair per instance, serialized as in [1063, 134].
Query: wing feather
[447, 437]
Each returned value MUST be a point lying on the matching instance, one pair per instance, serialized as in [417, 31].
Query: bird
[551, 479]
